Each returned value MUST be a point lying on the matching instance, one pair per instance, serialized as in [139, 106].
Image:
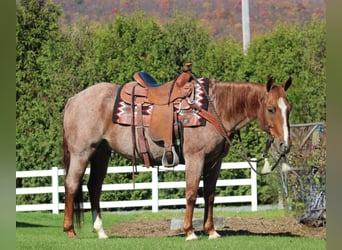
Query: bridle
[269, 141]
[264, 156]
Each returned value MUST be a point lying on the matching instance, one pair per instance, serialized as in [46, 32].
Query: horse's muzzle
[284, 147]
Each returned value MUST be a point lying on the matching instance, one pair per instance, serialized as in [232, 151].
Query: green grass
[43, 230]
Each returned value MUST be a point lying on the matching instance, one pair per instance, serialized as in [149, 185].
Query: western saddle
[145, 103]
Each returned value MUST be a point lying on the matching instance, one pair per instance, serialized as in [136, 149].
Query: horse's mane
[237, 103]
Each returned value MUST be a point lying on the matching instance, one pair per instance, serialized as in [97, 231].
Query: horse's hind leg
[99, 164]
[73, 193]
[210, 175]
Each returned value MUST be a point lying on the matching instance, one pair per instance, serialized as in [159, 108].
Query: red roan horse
[89, 134]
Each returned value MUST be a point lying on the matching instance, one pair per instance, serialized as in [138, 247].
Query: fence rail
[154, 185]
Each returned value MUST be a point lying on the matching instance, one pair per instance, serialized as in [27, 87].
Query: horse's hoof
[102, 235]
[192, 236]
[214, 236]
[72, 235]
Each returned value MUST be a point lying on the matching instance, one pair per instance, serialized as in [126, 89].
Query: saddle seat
[162, 94]
[145, 80]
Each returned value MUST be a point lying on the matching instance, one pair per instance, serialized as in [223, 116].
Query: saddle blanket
[122, 111]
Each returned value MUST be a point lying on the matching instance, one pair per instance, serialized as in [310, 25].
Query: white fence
[154, 185]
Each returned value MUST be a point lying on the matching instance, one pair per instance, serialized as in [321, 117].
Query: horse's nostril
[284, 147]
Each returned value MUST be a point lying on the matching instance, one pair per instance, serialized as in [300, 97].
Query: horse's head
[276, 110]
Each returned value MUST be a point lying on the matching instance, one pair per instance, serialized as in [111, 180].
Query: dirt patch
[286, 226]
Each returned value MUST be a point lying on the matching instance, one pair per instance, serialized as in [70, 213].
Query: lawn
[43, 230]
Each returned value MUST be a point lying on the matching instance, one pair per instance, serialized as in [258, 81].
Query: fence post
[155, 194]
[254, 187]
[55, 194]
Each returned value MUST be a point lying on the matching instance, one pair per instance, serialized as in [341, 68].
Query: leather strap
[178, 140]
[134, 161]
[210, 118]
[142, 142]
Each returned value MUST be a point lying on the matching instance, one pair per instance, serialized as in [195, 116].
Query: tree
[297, 51]
[127, 45]
[36, 24]
[222, 60]
[35, 141]
[186, 41]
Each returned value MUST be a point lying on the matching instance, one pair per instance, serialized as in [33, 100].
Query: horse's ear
[287, 84]
[269, 83]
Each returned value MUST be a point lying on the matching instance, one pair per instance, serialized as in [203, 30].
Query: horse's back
[87, 113]
[97, 91]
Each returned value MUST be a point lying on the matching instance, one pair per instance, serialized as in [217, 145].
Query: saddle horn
[187, 67]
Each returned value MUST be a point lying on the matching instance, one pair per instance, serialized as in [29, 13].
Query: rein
[225, 135]
[264, 156]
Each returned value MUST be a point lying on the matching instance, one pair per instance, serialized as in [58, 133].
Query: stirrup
[175, 158]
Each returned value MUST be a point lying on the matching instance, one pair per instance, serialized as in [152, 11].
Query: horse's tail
[66, 154]
[78, 201]
[78, 206]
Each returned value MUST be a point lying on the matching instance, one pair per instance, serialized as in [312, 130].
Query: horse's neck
[238, 103]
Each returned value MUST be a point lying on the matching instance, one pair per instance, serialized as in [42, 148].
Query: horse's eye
[271, 110]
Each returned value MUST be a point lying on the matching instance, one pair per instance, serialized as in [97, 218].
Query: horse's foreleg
[99, 164]
[210, 176]
[72, 184]
[192, 182]
[190, 205]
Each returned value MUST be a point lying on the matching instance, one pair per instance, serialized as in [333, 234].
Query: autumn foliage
[223, 17]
